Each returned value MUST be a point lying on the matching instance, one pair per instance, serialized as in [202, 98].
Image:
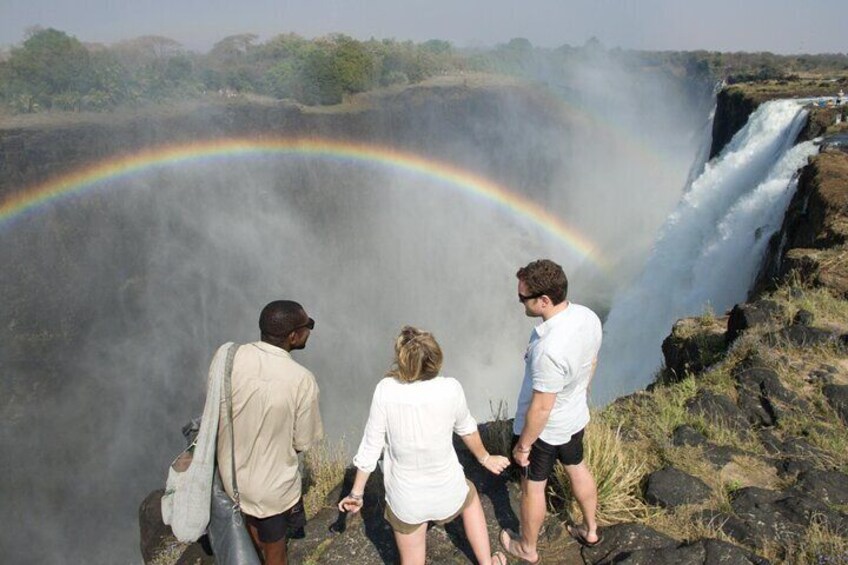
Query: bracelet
[484, 459]
[356, 497]
[519, 450]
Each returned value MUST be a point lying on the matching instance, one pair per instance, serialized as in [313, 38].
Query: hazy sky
[782, 26]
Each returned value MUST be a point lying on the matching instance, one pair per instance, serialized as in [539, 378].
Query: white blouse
[415, 423]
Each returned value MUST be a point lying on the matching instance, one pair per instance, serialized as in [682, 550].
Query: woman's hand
[351, 503]
[495, 463]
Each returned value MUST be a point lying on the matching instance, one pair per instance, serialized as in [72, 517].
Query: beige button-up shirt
[275, 415]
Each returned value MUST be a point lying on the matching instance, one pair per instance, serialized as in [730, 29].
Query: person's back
[420, 463]
[268, 386]
[414, 414]
[274, 415]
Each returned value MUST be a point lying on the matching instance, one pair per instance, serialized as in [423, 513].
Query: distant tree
[50, 68]
[437, 46]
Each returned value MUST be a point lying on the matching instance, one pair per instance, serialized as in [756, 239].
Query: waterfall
[709, 249]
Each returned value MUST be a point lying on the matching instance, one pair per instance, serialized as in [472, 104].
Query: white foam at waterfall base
[709, 249]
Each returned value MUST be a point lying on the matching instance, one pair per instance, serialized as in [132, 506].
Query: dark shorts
[543, 456]
[276, 527]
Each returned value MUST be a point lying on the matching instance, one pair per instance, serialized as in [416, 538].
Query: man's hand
[521, 455]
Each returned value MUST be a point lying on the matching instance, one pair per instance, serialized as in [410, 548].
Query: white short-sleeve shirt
[560, 359]
[415, 423]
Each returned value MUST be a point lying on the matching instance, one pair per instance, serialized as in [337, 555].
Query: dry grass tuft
[323, 470]
[618, 474]
[497, 434]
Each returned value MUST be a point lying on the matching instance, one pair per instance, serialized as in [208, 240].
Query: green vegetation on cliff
[52, 70]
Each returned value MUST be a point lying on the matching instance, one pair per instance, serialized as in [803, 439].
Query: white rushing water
[709, 250]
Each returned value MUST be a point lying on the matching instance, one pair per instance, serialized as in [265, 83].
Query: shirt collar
[546, 326]
[272, 349]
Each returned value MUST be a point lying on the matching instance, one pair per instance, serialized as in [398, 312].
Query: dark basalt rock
[721, 455]
[746, 316]
[801, 336]
[837, 397]
[757, 410]
[693, 554]
[687, 435]
[672, 487]
[723, 553]
[701, 552]
[760, 391]
[803, 318]
[621, 540]
[691, 347]
[717, 409]
[731, 525]
[770, 441]
[830, 487]
[769, 515]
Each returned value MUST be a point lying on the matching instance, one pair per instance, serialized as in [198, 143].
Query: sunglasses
[310, 324]
[522, 298]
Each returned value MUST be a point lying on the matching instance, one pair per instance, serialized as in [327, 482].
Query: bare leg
[271, 553]
[532, 515]
[474, 522]
[586, 493]
[275, 553]
[412, 547]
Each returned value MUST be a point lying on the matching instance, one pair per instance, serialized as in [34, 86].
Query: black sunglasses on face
[523, 299]
[310, 324]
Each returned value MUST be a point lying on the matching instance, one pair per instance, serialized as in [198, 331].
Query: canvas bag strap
[228, 390]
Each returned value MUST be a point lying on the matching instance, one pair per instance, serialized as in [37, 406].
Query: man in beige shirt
[275, 416]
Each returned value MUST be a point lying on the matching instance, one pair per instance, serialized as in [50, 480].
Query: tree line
[51, 70]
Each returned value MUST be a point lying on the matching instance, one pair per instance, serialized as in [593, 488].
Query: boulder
[672, 487]
[803, 318]
[717, 409]
[837, 397]
[692, 346]
[619, 540]
[830, 487]
[687, 435]
[770, 441]
[761, 517]
[692, 554]
[745, 316]
[801, 336]
[721, 455]
[723, 553]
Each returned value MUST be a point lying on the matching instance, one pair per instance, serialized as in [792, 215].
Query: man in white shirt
[275, 416]
[552, 407]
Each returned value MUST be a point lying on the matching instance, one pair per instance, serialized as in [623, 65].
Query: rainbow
[78, 181]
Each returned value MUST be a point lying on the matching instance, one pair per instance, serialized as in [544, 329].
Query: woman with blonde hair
[414, 414]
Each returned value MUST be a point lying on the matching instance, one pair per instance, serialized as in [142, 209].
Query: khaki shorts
[403, 528]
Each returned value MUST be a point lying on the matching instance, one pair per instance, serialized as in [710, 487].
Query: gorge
[414, 206]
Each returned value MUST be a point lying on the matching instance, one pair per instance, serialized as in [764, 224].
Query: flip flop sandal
[575, 532]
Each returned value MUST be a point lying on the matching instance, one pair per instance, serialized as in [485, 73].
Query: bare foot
[513, 547]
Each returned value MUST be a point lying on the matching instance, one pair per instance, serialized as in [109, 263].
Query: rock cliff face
[494, 116]
[732, 110]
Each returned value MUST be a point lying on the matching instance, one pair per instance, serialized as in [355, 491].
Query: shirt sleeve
[464, 423]
[373, 438]
[547, 375]
[308, 428]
